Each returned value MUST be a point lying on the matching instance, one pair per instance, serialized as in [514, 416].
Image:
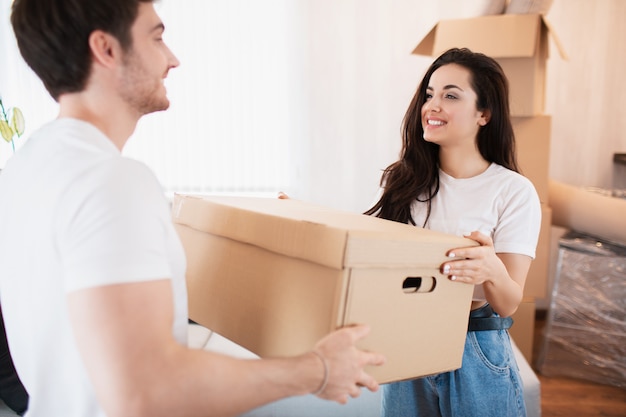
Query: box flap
[427, 44]
[499, 36]
[555, 38]
[318, 234]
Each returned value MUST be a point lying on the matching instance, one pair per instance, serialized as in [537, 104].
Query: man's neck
[109, 116]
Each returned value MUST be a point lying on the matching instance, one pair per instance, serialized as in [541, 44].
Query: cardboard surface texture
[523, 329]
[275, 276]
[587, 212]
[532, 144]
[518, 42]
[537, 278]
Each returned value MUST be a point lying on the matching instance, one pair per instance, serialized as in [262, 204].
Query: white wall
[356, 80]
[587, 93]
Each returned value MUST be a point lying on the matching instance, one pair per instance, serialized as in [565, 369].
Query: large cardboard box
[532, 139]
[537, 278]
[518, 42]
[276, 275]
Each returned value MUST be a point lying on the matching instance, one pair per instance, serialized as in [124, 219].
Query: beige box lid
[329, 237]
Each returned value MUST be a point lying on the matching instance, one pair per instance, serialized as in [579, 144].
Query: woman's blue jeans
[488, 384]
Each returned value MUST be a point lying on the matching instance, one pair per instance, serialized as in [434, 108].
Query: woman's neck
[462, 165]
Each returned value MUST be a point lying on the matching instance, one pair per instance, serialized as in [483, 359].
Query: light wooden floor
[566, 397]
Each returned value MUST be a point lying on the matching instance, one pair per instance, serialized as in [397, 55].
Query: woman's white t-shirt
[499, 203]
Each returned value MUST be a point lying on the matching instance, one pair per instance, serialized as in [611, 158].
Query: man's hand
[345, 363]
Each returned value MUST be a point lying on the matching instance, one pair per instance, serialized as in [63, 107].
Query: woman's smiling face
[449, 115]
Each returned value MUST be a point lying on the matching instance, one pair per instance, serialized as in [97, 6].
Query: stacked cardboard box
[520, 45]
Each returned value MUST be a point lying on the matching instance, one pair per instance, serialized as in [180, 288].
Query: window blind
[227, 126]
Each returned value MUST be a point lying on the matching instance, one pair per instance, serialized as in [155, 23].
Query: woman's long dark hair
[415, 176]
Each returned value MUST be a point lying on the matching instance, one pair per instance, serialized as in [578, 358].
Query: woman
[457, 174]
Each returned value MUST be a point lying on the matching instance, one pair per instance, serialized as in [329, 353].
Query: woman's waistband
[484, 318]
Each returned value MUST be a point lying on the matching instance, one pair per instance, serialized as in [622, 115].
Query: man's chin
[157, 107]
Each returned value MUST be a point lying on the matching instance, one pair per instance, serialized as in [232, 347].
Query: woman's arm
[503, 275]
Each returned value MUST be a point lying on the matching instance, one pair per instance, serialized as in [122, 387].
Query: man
[12, 391]
[91, 270]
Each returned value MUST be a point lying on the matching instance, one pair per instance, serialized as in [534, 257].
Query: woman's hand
[476, 264]
[502, 275]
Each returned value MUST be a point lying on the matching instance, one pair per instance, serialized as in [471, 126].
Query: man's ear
[104, 47]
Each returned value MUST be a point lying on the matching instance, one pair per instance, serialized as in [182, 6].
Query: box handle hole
[418, 284]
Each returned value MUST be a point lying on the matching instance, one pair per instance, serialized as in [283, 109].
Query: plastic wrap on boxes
[585, 334]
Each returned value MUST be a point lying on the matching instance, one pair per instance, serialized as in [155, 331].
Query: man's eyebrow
[159, 27]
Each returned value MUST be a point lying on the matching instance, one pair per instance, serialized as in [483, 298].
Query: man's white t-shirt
[499, 203]
[74, 214]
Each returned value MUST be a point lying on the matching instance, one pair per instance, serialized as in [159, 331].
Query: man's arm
[124, 334]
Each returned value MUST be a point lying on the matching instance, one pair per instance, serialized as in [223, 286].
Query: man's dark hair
[53, 36]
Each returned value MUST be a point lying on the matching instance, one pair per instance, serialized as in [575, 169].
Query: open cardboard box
[275, 276]
[518, 42]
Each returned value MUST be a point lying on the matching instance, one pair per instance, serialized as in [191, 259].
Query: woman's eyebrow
[447, 87]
